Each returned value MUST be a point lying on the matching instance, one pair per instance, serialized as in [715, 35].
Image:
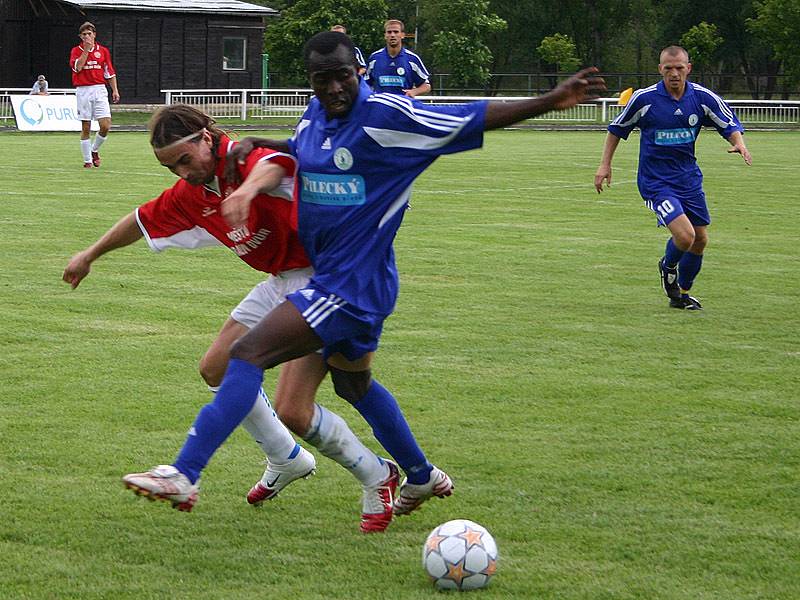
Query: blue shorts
[667, 206]
[342, 327]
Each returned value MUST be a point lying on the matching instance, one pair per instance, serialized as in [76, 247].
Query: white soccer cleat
[411, 495]
[277, 477]
[376, 502]
[164, 482]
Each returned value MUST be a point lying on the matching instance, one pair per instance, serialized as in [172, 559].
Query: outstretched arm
[604, 170]
[124, 233]
[262, 179]
[583, 85]
[238, 155]
[736, 140]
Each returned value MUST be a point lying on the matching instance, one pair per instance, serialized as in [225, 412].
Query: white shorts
[93, 102]
[269, 294]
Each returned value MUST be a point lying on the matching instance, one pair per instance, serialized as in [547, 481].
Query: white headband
[184, 139]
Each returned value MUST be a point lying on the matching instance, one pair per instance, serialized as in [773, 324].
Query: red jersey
[97, 69]
[189, 216]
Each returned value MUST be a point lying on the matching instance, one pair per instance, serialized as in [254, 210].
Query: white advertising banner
[47, 113]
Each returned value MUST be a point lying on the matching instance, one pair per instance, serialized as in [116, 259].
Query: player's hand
[603, 173]
[115, 97]
[741, 149]
[236, 158]
[78, 268]
[583, 85]
[236, 208]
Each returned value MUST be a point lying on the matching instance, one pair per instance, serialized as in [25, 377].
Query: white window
[234, 54]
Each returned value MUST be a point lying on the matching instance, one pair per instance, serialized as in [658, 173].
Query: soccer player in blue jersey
[670, 115]
[395, 69]
[358, 155]
[362, 65]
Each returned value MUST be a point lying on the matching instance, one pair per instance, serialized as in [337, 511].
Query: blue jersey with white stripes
[669, 129]
[403, 72]
[359, 57]
[354, 180]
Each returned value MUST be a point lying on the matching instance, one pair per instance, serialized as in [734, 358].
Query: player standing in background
[670, 115]
[188, 215]
[91, 70]
[358, 155]
[362, 65]
[395, 69]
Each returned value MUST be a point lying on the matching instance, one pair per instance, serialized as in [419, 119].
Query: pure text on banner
[47, 113]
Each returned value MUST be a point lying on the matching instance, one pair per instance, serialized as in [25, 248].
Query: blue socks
[217, 420]
[381, 411]
[688, 268]
[672, 254]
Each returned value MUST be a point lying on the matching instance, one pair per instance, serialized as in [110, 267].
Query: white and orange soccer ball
[460, 555]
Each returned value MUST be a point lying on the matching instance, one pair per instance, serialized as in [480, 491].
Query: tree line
[758, 41]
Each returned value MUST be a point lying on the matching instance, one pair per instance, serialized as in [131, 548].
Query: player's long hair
[170, 124]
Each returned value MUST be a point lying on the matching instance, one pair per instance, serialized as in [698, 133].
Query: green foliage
[459, 44]
[778, 24]
[285, 37]
[702, 42]
[559, 49]
[615, 448]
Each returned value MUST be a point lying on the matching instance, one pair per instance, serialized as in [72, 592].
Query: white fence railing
[243, 104]
[266, 104]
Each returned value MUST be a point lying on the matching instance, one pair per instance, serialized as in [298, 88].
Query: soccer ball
[460, 555]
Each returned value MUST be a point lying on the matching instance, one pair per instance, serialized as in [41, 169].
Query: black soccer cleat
[669, 280]
[686, 303]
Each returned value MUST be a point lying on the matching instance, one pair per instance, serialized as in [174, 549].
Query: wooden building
[155, 44]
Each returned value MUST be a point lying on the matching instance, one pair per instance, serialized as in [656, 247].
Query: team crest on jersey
[227, 192]
[693, 120]
[97, 55]
[401, 71]
[343, 159]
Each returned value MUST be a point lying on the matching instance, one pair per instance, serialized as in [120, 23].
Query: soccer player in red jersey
[91, 70]
[189, 215]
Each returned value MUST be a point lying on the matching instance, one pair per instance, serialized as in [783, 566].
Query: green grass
[615, 448]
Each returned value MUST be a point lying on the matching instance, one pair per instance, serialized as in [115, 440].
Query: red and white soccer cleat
[95, 158]
[87, 165]
[164, 482]
[277, 477]
[411, 495]
[376, 502]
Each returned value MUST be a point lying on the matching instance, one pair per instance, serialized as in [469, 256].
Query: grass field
[616, 449]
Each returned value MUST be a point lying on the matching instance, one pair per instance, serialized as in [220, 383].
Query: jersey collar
[399, 54]
[662, 89]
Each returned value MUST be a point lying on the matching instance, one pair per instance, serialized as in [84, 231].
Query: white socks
[333, 438]
[98, 141]
[267, 430]
[86, 149]
[328, 433]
